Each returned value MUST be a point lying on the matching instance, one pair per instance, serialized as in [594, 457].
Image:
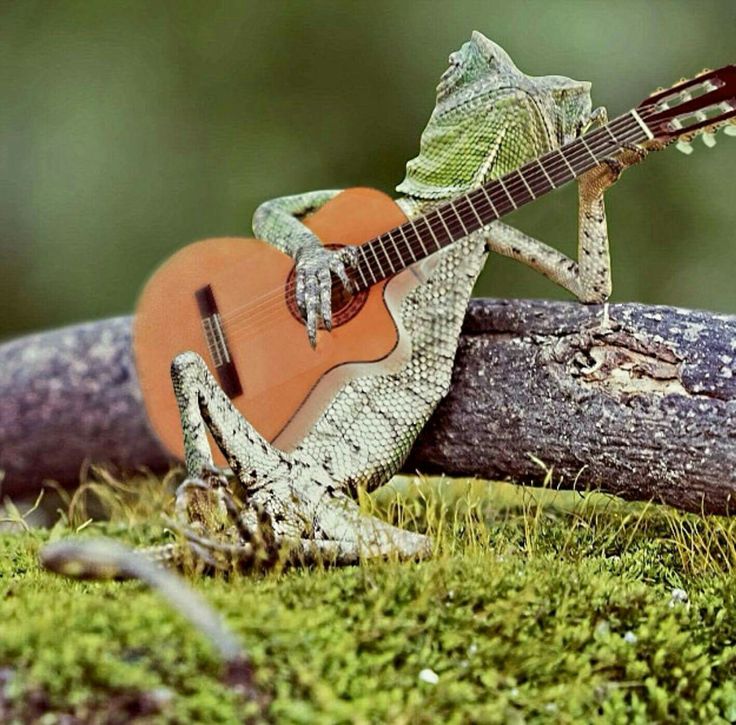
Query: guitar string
[580, 153]
[462, 214]
[513, 184]
[518, 185]
[645, 112]
[268, 296]
[268, 312]
[480, 199]
[592, 137]
[247, 331]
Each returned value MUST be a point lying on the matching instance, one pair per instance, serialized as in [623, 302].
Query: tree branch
[646, 410]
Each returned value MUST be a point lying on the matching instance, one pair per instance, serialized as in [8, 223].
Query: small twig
[105, 559]
[16, 517]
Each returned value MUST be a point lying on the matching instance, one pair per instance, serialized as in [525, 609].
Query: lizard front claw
[315, 266]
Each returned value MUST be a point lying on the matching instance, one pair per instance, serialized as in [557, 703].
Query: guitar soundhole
[344, 305]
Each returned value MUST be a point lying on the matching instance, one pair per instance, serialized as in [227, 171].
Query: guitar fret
[460, 219]
[378, 264]
[431, 231]
[493, 206]
[359, 267]
[477, 216]
[544, 171]
[641, 123]
[610, 133]
[387, 255]
[406, 240]
[567, 163]
[393, 241]
[511, 199]
[587, 148]
[529, 188]
[442, 219]
[419, 236]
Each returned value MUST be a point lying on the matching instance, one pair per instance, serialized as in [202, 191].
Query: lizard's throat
[451, 161]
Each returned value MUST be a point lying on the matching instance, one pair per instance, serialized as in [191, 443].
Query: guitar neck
[393, 251]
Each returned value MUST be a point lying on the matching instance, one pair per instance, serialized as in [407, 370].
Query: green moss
[537, 607]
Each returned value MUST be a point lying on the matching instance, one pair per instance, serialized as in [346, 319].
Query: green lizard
[489, 118]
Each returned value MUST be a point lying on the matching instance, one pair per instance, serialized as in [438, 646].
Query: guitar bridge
[214, 335]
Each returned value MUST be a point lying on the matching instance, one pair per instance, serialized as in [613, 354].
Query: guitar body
[231, 301]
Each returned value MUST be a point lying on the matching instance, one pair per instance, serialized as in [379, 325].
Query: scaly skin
[489, 119]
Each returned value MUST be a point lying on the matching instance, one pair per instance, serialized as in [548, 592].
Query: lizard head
[472, 66]
[572, 107]
[489, 118]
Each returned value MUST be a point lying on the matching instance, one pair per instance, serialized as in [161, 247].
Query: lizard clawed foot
[355, 536]
[606, 318]
[602, 324]
[320, 524]
[608, 172]
[200, 501]
[292, 523]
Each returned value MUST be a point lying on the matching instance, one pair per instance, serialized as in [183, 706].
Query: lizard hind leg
[203, 405]
[356, 535]
[206, 512]
[324, 524]
[288, 501]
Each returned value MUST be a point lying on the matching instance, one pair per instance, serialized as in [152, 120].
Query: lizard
[489, 118]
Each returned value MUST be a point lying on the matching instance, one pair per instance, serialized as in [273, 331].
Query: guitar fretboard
[418, 238]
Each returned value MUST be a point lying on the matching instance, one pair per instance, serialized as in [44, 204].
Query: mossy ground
[537, 607]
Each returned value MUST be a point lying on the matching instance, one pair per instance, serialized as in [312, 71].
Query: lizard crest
[489, 118]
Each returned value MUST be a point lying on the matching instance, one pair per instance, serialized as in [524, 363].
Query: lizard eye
[450, 76]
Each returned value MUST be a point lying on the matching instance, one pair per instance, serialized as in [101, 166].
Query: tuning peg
[705, 71]
[655, 91]
[709, 139]
[685, 147]
[729, 129]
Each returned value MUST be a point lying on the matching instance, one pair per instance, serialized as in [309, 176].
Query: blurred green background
[129, 129]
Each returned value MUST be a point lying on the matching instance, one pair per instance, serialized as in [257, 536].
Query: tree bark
[645, 408]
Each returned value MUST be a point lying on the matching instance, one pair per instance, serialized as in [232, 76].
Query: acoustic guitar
[232, 299]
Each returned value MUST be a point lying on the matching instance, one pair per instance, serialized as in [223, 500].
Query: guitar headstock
[700, 105]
